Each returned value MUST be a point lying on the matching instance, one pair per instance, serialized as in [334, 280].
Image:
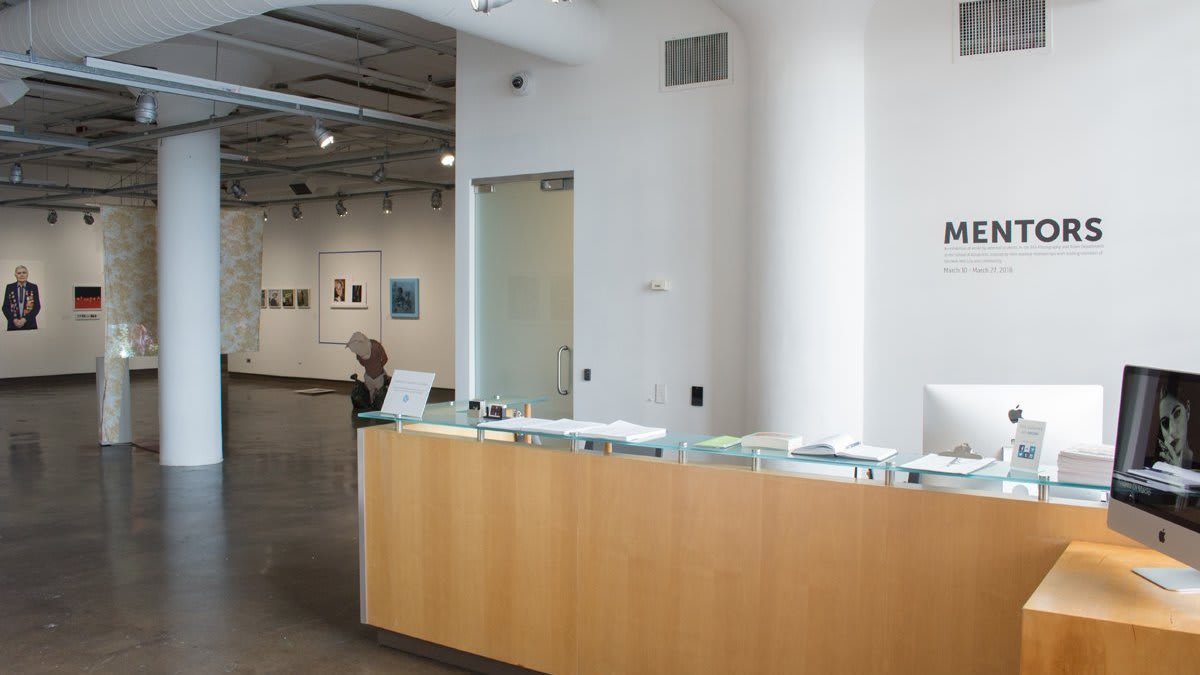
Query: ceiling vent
[1002, 26]
[696, 61]
[300, 188]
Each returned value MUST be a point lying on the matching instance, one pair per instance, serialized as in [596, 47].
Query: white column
[189, 297]
[805, 213]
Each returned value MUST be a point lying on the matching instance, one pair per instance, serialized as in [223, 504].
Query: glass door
[524, 290]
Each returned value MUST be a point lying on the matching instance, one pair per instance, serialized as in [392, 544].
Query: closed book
[773, 440]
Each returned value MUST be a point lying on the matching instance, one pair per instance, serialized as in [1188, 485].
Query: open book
[843, 445]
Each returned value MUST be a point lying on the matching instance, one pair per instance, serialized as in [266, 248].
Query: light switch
[660, 393]
[660, 284]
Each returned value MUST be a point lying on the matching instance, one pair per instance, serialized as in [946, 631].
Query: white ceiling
[92, 111]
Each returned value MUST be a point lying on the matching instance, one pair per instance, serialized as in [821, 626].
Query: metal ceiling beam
[341, 195]
[311, 16]
[69, 144]
[111, 72]
[424, 89]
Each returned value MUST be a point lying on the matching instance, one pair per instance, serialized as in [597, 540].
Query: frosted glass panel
[524, 293]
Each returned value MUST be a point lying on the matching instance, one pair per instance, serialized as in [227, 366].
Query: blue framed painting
[406, 298]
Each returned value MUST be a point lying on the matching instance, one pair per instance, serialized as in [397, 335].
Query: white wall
[416, 242]
[659, 193]
[70, 253]
[1104, 126]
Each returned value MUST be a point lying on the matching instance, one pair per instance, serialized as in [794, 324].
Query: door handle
[562, 391]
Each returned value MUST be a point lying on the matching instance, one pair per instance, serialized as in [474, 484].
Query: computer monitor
[978, 414]
[1156, 474]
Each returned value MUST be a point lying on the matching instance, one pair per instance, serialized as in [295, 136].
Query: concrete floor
[110, 563]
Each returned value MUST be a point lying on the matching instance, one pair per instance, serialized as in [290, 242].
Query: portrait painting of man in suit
[22, 301]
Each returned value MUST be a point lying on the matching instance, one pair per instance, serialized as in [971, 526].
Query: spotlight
[266, 216]
[321, 135]
[447, 156]
[435, 200]
[16, 174]
[379, 174]
[88, 219]
[52, 217]
[237, 190]
[486, 6]
[341, 209]
[145, 109]
[297, 214]
[387, 203]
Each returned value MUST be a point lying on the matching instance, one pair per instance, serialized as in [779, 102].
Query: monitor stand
[1177, 579]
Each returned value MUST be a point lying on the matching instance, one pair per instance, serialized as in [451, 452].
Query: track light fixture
[486, 6]
[379, 174]
[266, 215]
[52, 217]
[88, 218]
[145, 108]
[447, 156]
[321, 135]
[16, 174]
[435, 200]
[387, 203]
[297, 214]
[238, 191]
[341, 209]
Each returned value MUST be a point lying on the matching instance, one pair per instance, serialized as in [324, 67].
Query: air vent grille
[696, 60]
[997, 26]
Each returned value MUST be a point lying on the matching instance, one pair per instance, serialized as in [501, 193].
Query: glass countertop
[454, 414]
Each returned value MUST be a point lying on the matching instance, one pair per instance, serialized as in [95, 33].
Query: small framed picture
[302, 298]
[289, 298]
[274, 298]
[405, 300]
[348, 294]
[88, 298]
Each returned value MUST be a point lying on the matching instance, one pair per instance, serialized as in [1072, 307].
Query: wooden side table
[1092, 614]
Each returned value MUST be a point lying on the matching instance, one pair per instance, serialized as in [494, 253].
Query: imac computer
[1156, 476]
[979, 415]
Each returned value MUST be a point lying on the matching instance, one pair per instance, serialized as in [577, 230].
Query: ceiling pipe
[424, 89]
[319, 18]
[69, 30]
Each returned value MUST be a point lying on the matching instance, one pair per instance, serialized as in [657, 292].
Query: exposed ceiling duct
[69, 30]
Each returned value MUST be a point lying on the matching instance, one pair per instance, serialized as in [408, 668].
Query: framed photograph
[289, 298]
[302, 298]
[88, 298]
[406, 298]
[274, 298]
[262, 303]
[348, 294]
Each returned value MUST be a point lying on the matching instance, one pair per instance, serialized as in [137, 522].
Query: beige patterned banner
[130, 281]
[241, 279]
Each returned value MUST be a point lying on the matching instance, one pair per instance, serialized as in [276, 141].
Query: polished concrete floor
[110, 563]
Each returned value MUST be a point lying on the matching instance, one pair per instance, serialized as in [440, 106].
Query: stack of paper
[569, 427]
[1086, 464]
[624, 431]
[518, 425]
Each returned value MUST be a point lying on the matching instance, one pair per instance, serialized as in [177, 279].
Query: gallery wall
[659, 185]
[415, 241]
[1103, 126]
[67, 253]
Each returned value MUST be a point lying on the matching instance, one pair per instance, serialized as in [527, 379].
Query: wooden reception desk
[567, 562]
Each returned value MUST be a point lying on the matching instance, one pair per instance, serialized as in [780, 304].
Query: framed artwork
[348, 293]
[262, 303]
[289, 298]
[406, 298]
[302, 298]
[88, 298]
[274, 298]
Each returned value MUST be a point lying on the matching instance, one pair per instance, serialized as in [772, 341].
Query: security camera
[520, 83]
